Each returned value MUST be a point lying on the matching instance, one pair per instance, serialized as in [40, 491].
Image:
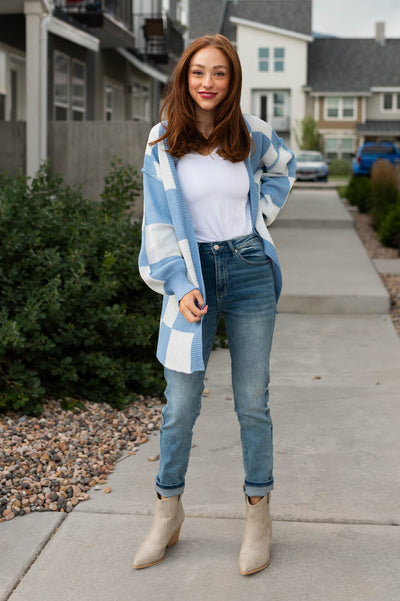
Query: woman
[213, 181]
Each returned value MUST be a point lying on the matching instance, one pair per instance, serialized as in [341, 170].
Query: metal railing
[121, 10]
[158, 36]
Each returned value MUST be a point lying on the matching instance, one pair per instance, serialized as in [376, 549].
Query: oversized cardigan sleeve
[161, 260]
[274, 168]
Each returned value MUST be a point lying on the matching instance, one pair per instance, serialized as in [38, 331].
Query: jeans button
[216, 247]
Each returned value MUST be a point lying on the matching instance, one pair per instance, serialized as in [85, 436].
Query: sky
[356, 18]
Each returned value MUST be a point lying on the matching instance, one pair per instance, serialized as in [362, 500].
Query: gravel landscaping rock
[49, 463]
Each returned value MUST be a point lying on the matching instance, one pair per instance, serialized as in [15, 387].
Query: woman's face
[208, 79]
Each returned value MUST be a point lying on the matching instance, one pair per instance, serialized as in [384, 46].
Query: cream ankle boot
[255, 552]
[167, 522]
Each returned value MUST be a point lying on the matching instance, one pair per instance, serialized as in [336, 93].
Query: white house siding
[291, 80]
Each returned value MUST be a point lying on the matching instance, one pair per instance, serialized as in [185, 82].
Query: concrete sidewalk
[335, 402]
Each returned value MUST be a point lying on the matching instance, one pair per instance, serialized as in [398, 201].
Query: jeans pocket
[252, 255]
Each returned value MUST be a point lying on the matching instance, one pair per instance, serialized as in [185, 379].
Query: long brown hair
[230, 133]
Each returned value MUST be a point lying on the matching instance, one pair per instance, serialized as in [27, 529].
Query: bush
[384, 194]
[359, 193]
[389, 228]
[341, 167]
[76, 320]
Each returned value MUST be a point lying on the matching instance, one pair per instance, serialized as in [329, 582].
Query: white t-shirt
[217, 195]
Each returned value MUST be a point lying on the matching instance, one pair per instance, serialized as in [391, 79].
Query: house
[353, 91]
[81, 80]
[350, 86]
[272, 40]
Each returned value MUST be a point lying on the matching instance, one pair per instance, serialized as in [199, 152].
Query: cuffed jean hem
[257, 490]
[171, 491]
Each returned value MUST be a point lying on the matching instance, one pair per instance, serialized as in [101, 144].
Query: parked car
[370, 152]
[311, 166]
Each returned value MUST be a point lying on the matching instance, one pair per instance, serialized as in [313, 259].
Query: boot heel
[174, 538]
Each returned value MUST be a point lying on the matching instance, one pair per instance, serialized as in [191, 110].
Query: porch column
[33, 16]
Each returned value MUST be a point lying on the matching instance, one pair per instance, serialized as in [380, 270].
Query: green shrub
[342, 191]
[76, 320]
[389, 227]
[384, 192]
[359, 193]
[340, 167]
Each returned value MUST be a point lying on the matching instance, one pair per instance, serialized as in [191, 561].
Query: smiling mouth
[207, 94]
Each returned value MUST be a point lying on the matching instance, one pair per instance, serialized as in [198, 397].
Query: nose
[207, 80]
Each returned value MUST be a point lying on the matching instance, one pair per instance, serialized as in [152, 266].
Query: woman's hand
[191, 306]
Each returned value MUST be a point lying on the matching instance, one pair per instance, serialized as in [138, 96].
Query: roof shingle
[293, 15]
[352, 65]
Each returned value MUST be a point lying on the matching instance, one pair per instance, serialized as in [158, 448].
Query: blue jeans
[239, 285]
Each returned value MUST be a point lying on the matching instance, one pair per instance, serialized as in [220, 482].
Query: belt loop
[231, 247]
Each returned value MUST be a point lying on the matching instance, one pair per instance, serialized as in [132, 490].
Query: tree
[309, 138]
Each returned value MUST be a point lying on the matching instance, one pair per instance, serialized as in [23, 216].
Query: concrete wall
[82, 151]
[12, 146]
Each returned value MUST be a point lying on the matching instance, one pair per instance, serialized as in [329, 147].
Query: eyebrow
[214, 67]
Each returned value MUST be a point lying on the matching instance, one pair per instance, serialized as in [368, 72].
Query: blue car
[370, 152]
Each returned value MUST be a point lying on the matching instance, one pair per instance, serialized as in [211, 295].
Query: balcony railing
[158, 37]
[120, 10]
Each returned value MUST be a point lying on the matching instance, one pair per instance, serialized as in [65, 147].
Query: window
[2, 72]
[279, 104]
[263, 59]
[12, 87]
[348, 107]
[113, 102]
[347, 148]
[339, 148]
[140, 102]
[332, 110]
[391, 101]
[331, 148]
[13, 94]
[78, 90]
[337, 107]
[2, 86]
[69, 88]
[180, 14]
[388, 102]
[108, 103]
[61, 86]
[279, 59]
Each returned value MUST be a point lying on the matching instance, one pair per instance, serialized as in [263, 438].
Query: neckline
[211, 154]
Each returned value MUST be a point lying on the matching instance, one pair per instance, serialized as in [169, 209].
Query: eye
[220, 73]
[196, 72]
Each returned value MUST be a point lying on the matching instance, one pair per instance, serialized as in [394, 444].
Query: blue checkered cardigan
[169, 260]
